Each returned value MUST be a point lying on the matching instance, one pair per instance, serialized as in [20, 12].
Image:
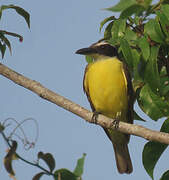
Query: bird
[108, 86]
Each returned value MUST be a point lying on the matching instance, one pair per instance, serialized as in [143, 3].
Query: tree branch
[103, 121]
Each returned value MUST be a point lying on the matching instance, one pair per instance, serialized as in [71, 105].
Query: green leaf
[48, 158]
[144, 46]
[6, 41]
[159, 30]
[145, 3]
[64, 174]
[165, 176]
[9, 158]
[165, 10]
[153, 150]
[164, 22]
[153, 29]
[118, 28]
[122, 27]
[80, 166]
[134, 9]
[114, 42]
[19, 10]
[3, 49]
[130, 35]
[136, 20]
[38, 176]
[151, 74]
[107, 32]
[165, 2]
[105, 21]
[122, 5]
[12, 34]
[115, 29]
[126, 50]
[137, 85]
[137, 117]
[89, 59]
[151, 154]
[136, 63]
[153, 105]
[164, 85]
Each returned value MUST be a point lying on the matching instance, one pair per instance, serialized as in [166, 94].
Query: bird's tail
[123, 161]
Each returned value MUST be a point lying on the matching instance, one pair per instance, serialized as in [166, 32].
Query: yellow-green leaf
[80, 166]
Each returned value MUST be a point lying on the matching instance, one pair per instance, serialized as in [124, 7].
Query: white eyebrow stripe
[99, 44]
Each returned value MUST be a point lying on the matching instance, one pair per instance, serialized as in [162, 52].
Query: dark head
[99, 49]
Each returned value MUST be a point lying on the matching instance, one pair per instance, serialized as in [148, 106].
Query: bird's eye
[102, 47]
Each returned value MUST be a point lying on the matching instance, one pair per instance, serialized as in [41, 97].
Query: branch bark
[103, 121]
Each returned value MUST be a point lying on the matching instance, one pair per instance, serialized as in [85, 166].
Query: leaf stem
[24, 160]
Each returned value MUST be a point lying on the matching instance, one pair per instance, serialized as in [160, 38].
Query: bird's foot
[115, 123]
[95, 116]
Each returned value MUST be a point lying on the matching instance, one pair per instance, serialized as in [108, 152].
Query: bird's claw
[115, 122]
[95, 116]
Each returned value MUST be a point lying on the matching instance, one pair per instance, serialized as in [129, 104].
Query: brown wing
[86, 89]
[130, 93]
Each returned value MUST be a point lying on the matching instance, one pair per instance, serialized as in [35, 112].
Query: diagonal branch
[103, 121]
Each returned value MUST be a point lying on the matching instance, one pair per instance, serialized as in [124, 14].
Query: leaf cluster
[141, 34]
[48, 159]
[4, 41]
[60, 174]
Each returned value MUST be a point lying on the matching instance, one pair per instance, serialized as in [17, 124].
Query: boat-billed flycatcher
[108, 87]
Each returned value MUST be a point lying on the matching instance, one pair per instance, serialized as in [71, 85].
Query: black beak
[86, 51]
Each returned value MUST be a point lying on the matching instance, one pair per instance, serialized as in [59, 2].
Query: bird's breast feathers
[106, 84]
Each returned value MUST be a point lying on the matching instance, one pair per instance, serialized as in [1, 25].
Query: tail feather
[123, 161]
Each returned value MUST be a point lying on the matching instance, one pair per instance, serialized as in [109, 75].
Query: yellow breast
[106, 84]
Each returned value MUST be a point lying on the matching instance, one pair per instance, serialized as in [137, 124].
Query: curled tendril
[19, 125]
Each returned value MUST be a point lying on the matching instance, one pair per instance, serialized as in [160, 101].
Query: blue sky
[47, 54]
